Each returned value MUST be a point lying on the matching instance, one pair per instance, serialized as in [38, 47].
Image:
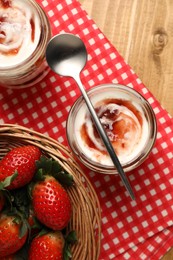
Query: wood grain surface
[142, 32]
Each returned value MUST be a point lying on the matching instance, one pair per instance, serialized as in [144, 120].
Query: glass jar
[128, 119]
[24, 33]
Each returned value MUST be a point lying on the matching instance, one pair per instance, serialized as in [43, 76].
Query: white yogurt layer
[127, 129]
[19, 32]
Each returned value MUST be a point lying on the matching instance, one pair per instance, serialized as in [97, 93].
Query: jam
[5, 3]
[32, 30]
[122, 122]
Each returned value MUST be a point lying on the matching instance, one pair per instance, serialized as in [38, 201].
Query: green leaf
[56, 167]
[44, 231]
[8, 180]
[64, 178]
[37, 224]
[40, 175]
[30, 187]
[21, 221]
[47, 166]
[23, 228]
[70, 239]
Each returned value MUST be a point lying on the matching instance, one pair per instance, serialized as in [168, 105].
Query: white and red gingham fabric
[140, 229]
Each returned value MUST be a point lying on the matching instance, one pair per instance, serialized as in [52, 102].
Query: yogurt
[20, 31]
[124, 121]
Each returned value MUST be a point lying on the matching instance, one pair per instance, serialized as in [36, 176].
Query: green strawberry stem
[70, 239]
[46, 166]
[8, 180]
[17, 202]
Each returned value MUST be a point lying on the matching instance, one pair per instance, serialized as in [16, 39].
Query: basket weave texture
[86, 216]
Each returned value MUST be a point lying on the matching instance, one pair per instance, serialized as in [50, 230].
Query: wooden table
[142, 32]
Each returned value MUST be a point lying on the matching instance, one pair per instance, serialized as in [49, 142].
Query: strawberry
[21, 160]
[11, 239]
[47, 246]
[51, 203]
[9, 257]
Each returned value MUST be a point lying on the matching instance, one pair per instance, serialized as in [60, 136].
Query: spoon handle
[105, 138]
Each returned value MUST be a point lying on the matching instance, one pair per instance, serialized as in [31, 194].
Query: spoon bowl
[66, 55]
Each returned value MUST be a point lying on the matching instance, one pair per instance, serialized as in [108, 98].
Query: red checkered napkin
[150, 249]
[140, 229]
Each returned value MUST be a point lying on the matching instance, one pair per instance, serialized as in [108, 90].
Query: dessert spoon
[66, 55]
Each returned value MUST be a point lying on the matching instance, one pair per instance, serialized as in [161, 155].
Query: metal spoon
[66, 55]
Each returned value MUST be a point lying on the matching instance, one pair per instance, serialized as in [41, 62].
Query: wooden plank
[142, 32]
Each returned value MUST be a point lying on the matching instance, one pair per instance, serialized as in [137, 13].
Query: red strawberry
[9, 257]
[10, 240]
[51, 203]
[21, 159]
[47, 246]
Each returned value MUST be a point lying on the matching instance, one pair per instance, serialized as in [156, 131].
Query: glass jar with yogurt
[128, 120]
[24, 34]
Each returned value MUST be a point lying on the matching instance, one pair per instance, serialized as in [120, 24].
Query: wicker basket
[86, 217]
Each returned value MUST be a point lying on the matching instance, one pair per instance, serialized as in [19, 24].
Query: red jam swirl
[119, 125]
[5, 3]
